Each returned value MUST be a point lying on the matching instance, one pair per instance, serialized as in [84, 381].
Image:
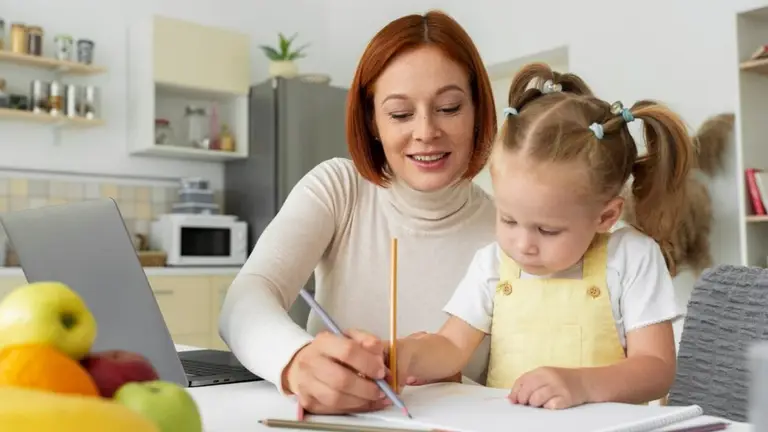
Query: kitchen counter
[153, 271]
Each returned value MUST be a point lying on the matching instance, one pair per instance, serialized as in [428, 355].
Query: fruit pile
[51, 379]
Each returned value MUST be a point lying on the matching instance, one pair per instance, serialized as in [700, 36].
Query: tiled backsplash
[139, 204]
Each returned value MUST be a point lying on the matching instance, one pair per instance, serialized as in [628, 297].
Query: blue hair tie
[617, 108]
[627, 115]
[597, 129]
[508, 111]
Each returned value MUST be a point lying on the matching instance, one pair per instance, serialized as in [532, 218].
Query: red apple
[111, 369]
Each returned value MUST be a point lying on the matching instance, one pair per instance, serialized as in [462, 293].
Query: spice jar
[72, 103]
[226, 140]
[198, 134]
[163, 132]
[64, 45]
[55, 98]
[35, 40]
[91, 102]
[85, 51]
[38, 97]
[2, 34]
[18, 38]
[5, 98]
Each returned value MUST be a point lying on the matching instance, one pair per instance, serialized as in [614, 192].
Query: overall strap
[595, 260]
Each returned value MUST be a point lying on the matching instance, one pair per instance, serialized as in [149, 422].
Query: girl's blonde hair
[553, 117]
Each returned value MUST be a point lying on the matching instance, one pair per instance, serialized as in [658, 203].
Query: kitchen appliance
[200, 239]
[293, 126]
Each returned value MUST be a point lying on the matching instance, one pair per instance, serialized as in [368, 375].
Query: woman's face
[425, 118]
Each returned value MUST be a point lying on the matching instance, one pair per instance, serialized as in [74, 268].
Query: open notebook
[473, 408]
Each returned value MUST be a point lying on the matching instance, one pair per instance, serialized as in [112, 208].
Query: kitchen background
[190, 109]
[144, 69]
[140, 202]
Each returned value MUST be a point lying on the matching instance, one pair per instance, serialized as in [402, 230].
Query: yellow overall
[552, 322]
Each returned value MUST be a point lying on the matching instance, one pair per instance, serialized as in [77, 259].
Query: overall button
[593, 291]
[505, 287]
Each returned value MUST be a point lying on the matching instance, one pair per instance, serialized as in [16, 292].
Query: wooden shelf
[177, 152]
[63, 121]
[757, 218]
[67, 67]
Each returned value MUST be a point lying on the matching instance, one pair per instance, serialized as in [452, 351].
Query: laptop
[87, 246]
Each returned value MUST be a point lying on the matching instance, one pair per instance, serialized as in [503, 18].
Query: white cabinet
[189, 55]
[173, 64]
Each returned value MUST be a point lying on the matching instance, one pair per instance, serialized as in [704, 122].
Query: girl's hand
[412, 381]
[552, 388]
[406, 355]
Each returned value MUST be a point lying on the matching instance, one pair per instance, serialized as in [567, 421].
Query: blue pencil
[336, 330]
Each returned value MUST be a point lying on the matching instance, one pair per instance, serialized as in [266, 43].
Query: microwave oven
[200, 239]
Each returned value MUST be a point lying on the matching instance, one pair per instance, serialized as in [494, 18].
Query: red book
[758, 206]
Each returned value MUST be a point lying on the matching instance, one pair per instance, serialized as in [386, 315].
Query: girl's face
[547, 216]
[424, 118]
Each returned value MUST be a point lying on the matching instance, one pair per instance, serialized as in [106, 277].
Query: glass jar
[64, 47]
[5, 98]
[85, 51]
[35, 40]
[226, 140]
[55, 98]
[198, 127]
[18, 38]
[163, 132]
[2, 34]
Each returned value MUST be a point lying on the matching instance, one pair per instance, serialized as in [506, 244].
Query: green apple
[167, 404]
[47, 313]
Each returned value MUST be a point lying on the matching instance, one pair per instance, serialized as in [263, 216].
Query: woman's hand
[553, 388]
[334, 374]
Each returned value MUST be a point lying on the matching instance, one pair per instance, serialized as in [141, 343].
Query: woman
[420, 121]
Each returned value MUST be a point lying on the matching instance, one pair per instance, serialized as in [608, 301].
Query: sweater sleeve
[254, 320]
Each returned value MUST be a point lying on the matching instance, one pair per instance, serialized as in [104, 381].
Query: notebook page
[471, 408]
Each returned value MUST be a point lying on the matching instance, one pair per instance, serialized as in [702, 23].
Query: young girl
[577, 310]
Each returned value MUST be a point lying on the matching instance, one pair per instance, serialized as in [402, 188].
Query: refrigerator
[293, 126]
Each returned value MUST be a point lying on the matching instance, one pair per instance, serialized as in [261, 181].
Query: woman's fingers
[345, 382]
[351, 353]
[368, 341]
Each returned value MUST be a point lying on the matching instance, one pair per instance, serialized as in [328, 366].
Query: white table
[239, 407]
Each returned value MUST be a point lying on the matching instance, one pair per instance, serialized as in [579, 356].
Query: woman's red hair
[436, 29]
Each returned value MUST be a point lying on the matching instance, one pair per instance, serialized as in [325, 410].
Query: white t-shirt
[639, 284]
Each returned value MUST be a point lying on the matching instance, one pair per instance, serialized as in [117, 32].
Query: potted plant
[282, 59]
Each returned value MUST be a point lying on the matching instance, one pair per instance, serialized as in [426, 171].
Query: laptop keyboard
[198, 368]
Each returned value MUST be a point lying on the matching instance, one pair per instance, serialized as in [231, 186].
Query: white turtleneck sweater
[339, 225]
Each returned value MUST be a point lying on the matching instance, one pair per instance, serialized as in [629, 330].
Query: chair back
[727, 313]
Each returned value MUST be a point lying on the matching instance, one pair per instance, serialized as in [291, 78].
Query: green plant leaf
[285, 44]
[298, 53]
[272, 53]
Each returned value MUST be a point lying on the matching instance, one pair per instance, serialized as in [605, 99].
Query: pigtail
[692, 246]
[659, 187]
[711, 140]
[537, 79]
[526, 86]
[573, 84]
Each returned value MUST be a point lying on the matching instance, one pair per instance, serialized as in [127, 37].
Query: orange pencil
[393, 316]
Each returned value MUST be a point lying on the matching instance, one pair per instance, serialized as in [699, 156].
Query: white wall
[104, 150]
[672, 50]
[657, 51]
